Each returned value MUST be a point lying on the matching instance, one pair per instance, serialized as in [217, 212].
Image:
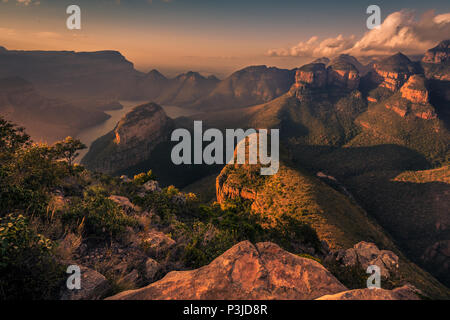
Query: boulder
[157, 243]
[125, 204]
[151, 186]
[151, 268]
[246, 271]
[93, 286]
[403, 293]
[131, 278]
[366, 254]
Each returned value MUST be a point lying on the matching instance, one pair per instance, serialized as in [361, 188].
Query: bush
[97, 216]
[143, 177]
[28, 269]
[220, 228]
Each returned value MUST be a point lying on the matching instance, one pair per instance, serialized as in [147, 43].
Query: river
[91, 134]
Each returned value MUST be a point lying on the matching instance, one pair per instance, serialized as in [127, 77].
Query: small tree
[67, 149]
[12, 137]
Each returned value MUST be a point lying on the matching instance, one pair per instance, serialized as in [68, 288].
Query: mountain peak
[438, 54]
[396, 59]
[155, 74]
[397, 63]
[190, 75]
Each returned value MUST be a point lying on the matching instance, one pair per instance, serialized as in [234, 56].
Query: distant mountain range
[91, 78]
[46, 119]
[381, 130]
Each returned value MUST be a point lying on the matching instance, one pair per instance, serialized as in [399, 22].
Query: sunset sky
[213, 36]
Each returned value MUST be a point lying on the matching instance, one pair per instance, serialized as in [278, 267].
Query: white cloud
[400, 31]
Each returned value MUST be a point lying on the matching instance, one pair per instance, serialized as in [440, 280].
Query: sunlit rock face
[312, 75]
[131, 141]
[414, 89]
[393, 71]
[246, 271]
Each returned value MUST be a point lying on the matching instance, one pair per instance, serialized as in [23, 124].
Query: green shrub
[353, 277]
[28, 269]
[97, 216]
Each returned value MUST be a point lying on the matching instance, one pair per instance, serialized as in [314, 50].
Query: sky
[221, 36]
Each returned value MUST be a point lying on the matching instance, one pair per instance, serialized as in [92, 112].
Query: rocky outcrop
[93, 286]
[399, 108]
[438, 54]
[156, 243]
[226, 191]
[125, 204]
[246, 271]
[347, 79]
[403, 293]
[313, 75]
[436, 63]
[366, 254]
[344, 73]
[414, 100]
[131, 141]
[340, 74]
[414, 89]
[393, 72]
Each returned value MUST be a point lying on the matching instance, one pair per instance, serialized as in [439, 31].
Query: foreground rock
[402, 293]
[93, 286]
[366, 254]
[125, 204]
[246, 271]
[157, 243]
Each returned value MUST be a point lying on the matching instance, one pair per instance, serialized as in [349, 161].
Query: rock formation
[93, 286]
[340, 74]
[414, 89]
[225, 190]
[246, 271]
[438, 54]
[366, 254]
[313, 75]
[393, 72]
[131, 141]
[261, 271]
[436, 64]
[403, 293]
[343, 75]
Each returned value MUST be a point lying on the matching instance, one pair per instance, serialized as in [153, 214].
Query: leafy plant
[27, 267]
